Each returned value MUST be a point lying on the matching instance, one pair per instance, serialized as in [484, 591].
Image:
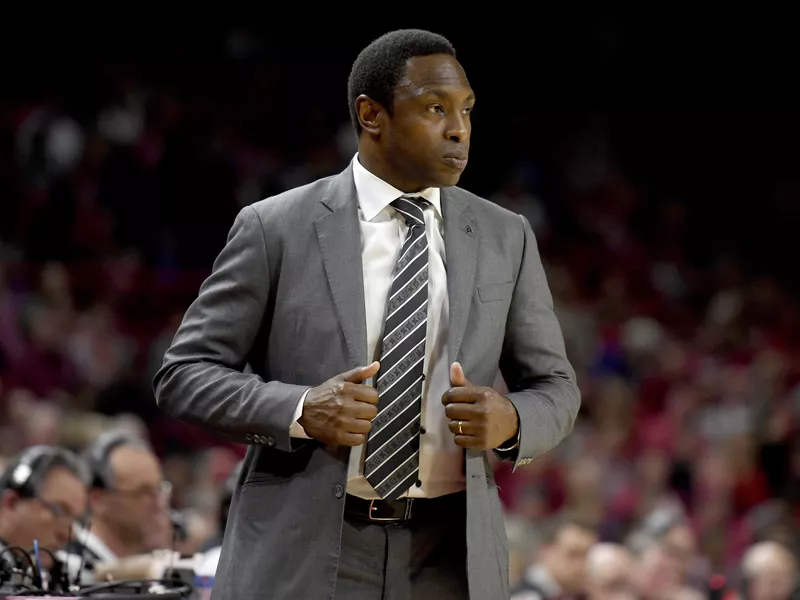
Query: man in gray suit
[350, 332]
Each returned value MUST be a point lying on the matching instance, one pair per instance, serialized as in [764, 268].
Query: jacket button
[338, 491]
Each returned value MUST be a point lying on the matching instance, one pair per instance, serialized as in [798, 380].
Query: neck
[105, 534]
[372, 160]
[8, 537]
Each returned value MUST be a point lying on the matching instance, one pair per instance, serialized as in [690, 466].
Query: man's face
[49, 516]
[774, 581]
[136, 497]
[679, 545]
[566, 557]
[426, 139]
[613, 581]
[663, 565]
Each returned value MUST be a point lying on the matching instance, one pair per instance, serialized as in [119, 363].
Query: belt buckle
[405, 517]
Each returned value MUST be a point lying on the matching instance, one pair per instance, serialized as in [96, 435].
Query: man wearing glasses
[42, 495]
[129, 500]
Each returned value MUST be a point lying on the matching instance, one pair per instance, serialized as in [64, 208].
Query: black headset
[24, 474]
[98, 453]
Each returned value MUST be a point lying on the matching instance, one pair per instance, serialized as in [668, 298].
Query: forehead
[134, 466]
[572, 536]
[436, 73]
[62, 486]
[680, 536]
[613, 567]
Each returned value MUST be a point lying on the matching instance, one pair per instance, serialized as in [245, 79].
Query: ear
[8, 499]
[95, 497]
[369, 113]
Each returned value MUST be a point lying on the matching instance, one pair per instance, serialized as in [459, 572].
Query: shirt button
[338, 491]
[419, 483]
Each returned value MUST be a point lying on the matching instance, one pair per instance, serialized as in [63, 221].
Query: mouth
[459, 162]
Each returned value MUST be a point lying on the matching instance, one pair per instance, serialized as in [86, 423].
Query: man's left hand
[480, 418]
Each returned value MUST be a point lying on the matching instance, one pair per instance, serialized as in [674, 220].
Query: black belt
[402, 510]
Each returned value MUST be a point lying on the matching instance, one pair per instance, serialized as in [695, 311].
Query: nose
[458, 128]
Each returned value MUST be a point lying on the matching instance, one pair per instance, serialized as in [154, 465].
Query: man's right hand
[340, 411]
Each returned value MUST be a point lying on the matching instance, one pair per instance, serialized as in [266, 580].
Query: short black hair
[380, 66]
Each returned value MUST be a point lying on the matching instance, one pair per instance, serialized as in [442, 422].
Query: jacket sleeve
[202, 380]
[540, 379]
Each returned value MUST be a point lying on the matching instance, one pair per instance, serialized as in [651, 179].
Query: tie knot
[411, 207]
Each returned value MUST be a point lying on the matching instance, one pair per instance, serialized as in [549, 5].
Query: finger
[457, 377]
[467, 395]
[360, 374]
[361, 393]
[362, 426]
[363, 410]
[463, 412]
[351, 439]
[466, 427]
[467, 441]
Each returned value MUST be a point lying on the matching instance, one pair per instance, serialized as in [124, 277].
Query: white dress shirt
[383, 231]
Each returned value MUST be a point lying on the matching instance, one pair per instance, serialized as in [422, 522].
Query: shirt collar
[541, 577]
[374, 194]
[94, 544]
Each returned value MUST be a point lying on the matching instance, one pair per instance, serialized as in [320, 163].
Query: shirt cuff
[514, 447]
[295, 429]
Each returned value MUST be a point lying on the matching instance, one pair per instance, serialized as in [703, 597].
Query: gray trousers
[419, 560]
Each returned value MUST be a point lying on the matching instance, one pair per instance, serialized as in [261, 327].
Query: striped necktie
[392, 456]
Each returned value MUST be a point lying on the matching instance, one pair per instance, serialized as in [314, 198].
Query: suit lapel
[461, 241]
[339, 237]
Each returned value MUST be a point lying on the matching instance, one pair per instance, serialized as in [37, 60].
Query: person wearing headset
[769, 572]
[213, 549]
[42, 495]
[664, 547]
[128, 499]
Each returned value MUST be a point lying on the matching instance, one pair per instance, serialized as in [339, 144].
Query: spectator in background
[560, 568]
[129, 501]
[42, 494]
[211, 555]
[770, 572]
[664, 547]
[609, 573]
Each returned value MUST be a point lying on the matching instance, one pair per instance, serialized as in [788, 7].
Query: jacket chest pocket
[496, 292]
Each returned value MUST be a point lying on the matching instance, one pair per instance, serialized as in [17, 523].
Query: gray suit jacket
[285, 300]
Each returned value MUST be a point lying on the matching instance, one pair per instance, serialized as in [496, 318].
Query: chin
[448, 180]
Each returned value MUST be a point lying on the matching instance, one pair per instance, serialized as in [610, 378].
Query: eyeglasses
[160, 492]
[62, 513]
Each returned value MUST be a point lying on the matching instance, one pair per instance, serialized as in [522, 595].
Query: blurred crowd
[114, 206]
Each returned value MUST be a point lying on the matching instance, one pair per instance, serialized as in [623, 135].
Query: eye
[436, 108]
[468, 110]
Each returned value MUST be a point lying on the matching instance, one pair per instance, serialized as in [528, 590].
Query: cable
[38, 579]
[82, 545]
[140, 583]
[16, 551]
[55, 581]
